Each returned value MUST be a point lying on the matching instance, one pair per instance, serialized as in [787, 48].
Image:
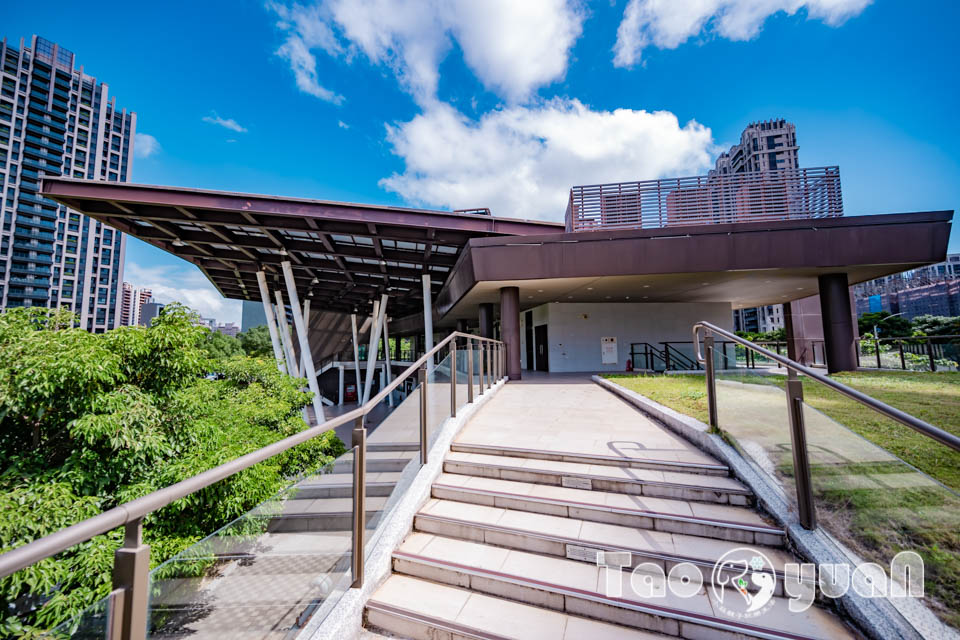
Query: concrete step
[581, 475]
[322, 514]
[378, 461]
[340, 485]
[580, 540]
[720, 521]
[410, 608]
[640, 460]
[614, 597]
[392, 446]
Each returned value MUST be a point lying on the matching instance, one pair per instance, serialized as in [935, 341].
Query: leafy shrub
[89, 421]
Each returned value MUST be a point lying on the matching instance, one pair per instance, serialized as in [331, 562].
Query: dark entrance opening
[528, 334]
[543, 352]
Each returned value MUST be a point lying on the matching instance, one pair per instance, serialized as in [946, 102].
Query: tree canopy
[90, 421]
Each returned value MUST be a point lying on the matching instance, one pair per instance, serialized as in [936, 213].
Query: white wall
[574, 329]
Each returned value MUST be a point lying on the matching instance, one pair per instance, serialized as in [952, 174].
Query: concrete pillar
[284, 328]
[838, 334]
[271, 321]
[428, 319]
[299, 323]
[340, 386]
[510, 328]
[356, 356]
[486, 319]
[387, 377]
[381, 309]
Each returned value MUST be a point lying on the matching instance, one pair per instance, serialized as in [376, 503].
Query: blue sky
[503, 104]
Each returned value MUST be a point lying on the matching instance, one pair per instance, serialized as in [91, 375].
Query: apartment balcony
[39, 130]
[33, 295]
[758, 196]
[48, 168]
[20, 267]
[38, 224]
[44, 282]
[19, 232]
[34, 141]
[23, 244]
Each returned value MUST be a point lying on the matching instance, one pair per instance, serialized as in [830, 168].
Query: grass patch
[875, 521]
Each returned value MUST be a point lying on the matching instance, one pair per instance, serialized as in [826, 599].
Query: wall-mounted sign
[608, 350]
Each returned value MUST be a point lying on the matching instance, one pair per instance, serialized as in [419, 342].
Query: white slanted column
[340, 386]
[374, 344]
[427, 320]
[356, 356]
[271, 321]
[301, 328]
[285, 333]
[386, 358]
[306, 323]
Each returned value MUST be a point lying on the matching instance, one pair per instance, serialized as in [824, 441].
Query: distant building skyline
[55, 119]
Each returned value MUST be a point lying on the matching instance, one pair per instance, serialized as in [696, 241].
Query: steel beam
[374, 344]
[356, 356]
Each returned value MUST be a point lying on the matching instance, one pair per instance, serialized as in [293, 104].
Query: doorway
[528, 335]
[543, 350]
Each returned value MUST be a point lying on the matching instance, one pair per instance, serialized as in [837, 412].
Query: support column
[428, 320]
[285, 333]
[374, 344]
[356, 356]
[838, 334]
[306, 356]
[271, 321]
[510, 328]
[486, 319]
[388, 377]
[306, 323]
[462, 326]
[340, 386]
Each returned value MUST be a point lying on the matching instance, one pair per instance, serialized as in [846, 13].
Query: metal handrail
[131, 514]
[893, 413]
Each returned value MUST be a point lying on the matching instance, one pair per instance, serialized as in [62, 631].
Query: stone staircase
[507, 548]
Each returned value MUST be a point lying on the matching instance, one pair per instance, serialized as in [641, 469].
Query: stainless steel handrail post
[488, 363]
[481, 352]
[131, 584]
[469, 370]
[708, 347]
[422, 376]
[359, 443]
[453, 379]
[801, 459]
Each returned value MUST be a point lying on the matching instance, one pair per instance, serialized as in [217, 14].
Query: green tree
[91, 421]
[936, 325]
[890, 326]
[256, 342]
[219, 346]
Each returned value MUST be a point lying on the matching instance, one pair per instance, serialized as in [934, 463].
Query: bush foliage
[89, 421]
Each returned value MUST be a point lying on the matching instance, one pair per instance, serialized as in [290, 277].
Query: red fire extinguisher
[629, 365]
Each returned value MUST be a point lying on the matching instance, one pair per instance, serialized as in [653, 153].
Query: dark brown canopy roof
[344, 255]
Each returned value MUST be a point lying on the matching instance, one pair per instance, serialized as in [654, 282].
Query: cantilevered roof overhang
[344, 255]
[746, 264]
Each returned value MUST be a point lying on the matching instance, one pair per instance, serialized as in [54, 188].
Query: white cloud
[522, 161]
[512, 47]
[185, 284]
[226, 123]
[342, 124]
[667, 24]
[145, 145]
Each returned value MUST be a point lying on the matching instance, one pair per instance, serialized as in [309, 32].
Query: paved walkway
[552, 471]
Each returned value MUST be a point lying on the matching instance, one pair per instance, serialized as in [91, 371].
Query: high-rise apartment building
[131, 303]
[57, 120]
[764, 146]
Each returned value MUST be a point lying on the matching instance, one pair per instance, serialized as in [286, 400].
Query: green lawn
[875, 506]
[933, 397]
